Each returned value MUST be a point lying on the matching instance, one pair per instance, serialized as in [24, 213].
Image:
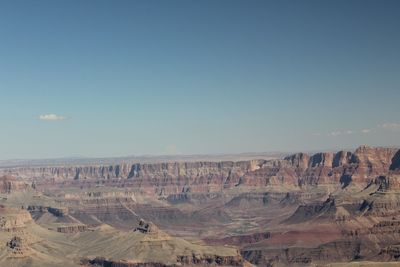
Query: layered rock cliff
[9, 184]
[340, 169]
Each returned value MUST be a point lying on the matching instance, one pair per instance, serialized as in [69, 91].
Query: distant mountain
[70, 161]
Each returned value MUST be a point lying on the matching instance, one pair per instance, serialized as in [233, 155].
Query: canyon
[321, 209]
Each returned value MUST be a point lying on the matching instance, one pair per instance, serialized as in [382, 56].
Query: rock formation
[337, 169]
[9, 184]
[301, 210]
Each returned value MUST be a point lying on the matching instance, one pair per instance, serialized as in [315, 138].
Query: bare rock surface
[300, 210]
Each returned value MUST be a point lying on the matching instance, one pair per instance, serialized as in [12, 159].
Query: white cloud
[391, 126]
[51, 117]
[347, 132]
[386, 126]
[335, 133]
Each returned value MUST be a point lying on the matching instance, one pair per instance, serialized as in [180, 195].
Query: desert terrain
[322, 209]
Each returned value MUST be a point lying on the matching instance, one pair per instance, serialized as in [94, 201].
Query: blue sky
[115, 78]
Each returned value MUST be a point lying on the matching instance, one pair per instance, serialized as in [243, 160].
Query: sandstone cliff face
[184, 260]
[18, 248]
[71, 229]
[340, 169]
[13, 219]
[147, 245]
[240, 240]
[9, 184]
[390, 253]
[337, 251]
[371, 162]
[388, 183]
[395, 162]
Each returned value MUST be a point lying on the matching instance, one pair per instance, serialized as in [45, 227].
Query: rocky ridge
[9, 184]
[338, 169]
[295, 211]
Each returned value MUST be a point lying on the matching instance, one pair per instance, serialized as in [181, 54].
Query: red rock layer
[342, 169]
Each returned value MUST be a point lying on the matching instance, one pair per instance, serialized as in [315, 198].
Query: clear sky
[116, 78]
